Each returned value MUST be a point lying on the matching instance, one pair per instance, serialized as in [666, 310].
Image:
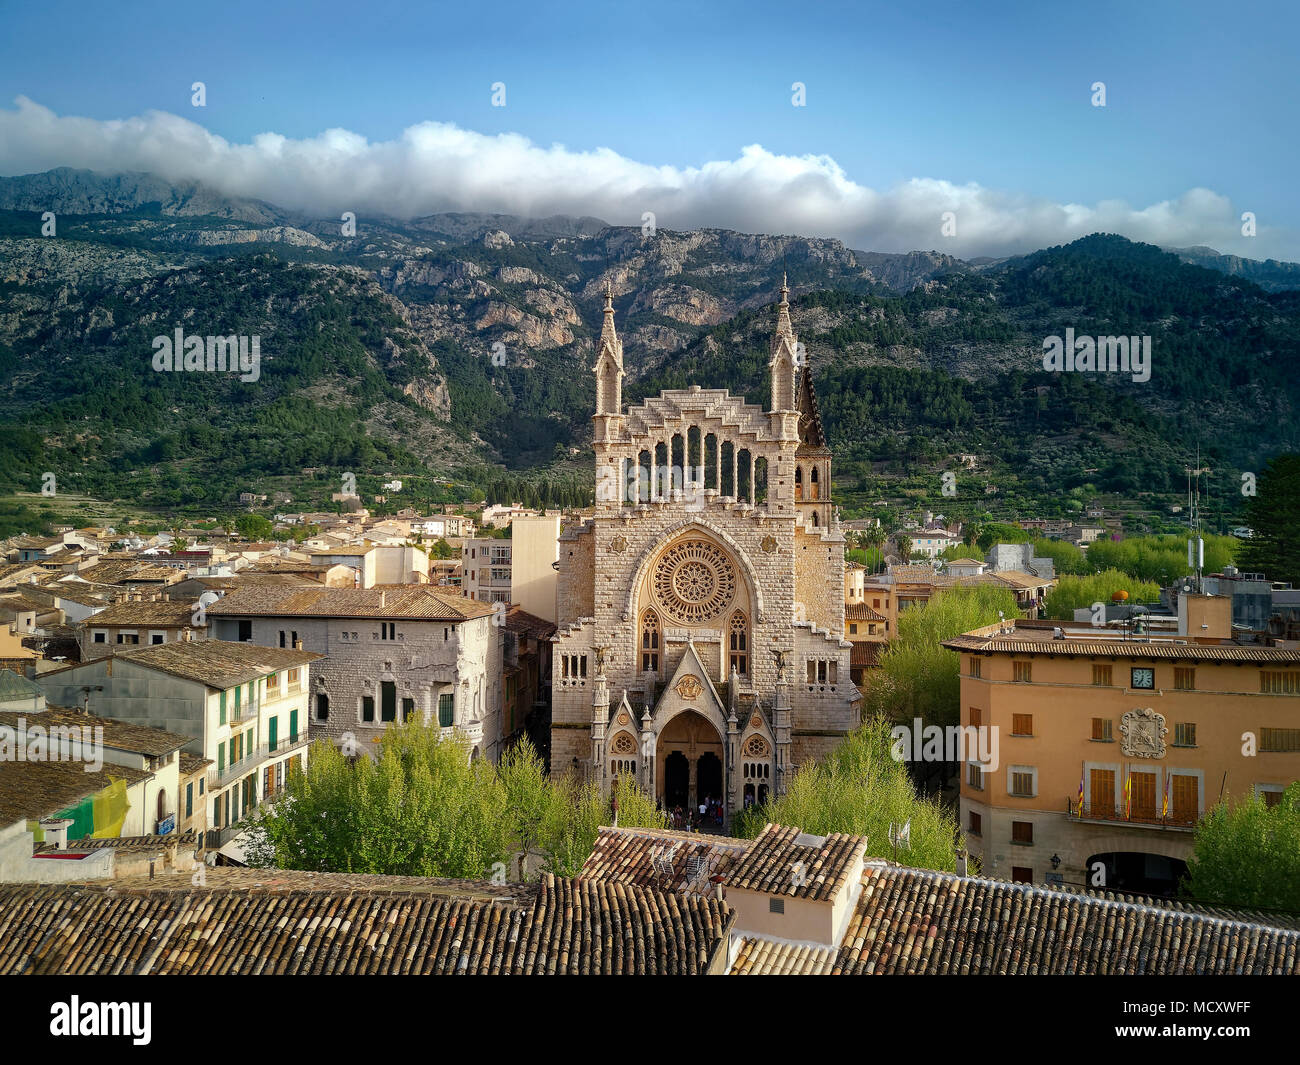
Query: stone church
[701, 610]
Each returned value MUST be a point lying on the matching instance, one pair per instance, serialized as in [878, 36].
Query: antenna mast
[1195, 544]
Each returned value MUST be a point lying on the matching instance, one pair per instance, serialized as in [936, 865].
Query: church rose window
[694, 581]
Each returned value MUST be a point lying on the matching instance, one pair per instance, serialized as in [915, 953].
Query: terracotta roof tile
[782, 860]
[680, 862]
[289, 924]
[217, 663]
[916, 921]
[414, 601]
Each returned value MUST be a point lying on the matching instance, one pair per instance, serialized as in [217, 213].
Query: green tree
[861, 789]
[1248, 855]
[529, 798]
[1272, 514]
[918, 676]
[253, 527]
[578, 810]
[1078, 593]
[999, 532]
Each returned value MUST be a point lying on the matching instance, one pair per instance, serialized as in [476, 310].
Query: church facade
[701, 611]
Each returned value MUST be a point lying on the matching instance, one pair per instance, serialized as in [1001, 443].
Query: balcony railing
[220, 777]
[1111, 813]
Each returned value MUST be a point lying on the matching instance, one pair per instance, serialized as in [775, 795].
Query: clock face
[1144, 678]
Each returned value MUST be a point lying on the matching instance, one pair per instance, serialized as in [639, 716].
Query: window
[387, 701]
[739, 644]
[446, 710]
[221, 758]
[1142, 678]
[976, 716]
[367, 708]
[650, 642]
[221, 719]
[975, 665]
[1279, 683]
[101, 637]
[1022, 724]
[1143, 796]
[246, 631]
[156, 638]
[1021, 875]
[1185, 734]
[387, 630]
[272, 683]
[293, 678]
[408, 709]
[1279, 739]
[282, 637]
[1184, 679]
[1101, 730]
[776, 905]
[975, 776]
[322, 706]
[1102, 783]
[189, 800]
[1022, 672]
[1101, 676]
[1022, 832]
[128, 637]
[976, 824]
[853, 629]
[1023, 781]
[1186, 806]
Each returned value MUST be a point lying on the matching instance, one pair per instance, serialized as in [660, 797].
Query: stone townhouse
[391, 652]
[700, 642]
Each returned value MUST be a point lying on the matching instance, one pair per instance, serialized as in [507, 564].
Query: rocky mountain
[447, 346]
[1269, 274]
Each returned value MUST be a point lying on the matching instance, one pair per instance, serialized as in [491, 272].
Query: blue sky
[987, 97]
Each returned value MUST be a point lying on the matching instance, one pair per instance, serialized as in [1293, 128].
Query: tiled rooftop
[785, 861]
[120, 735]
[644, 857]
[413, 601]
[161, 613]
[1040, 642]
[217, 663]
[294, 924]
[915, 921]
[756, 956]
[32, 790]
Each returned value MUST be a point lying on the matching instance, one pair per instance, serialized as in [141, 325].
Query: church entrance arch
[677, 780]
[690, 756]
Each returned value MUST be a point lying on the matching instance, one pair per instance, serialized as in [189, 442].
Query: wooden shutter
[273, 734]
[1102, 783]
[1185, 801]
[1144, 797]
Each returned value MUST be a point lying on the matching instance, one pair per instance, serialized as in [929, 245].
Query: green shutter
[273, 734]
[238, 692]
[293, 726]
[446, 710]
[221, 758]
[222, 721]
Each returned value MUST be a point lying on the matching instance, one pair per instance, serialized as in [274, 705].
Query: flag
[1128, 796]
[1080, 813]
[1165, 811]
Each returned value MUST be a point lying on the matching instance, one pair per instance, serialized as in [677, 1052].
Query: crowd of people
[694, 819]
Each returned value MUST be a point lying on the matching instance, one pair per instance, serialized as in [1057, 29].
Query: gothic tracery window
[649, 642]
[739, 643]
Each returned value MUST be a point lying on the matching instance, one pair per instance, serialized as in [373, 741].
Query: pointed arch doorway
[690, 761]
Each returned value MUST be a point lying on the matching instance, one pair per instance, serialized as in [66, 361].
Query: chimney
[383, 599]
[297, 645]
[56, 831]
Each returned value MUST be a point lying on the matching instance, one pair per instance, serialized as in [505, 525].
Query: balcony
[1110, 814]
[218, 778]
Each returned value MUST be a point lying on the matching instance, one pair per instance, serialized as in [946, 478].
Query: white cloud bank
[437, 166]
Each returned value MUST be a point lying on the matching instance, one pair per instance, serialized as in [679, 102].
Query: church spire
[785, 354]
[609, 362]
